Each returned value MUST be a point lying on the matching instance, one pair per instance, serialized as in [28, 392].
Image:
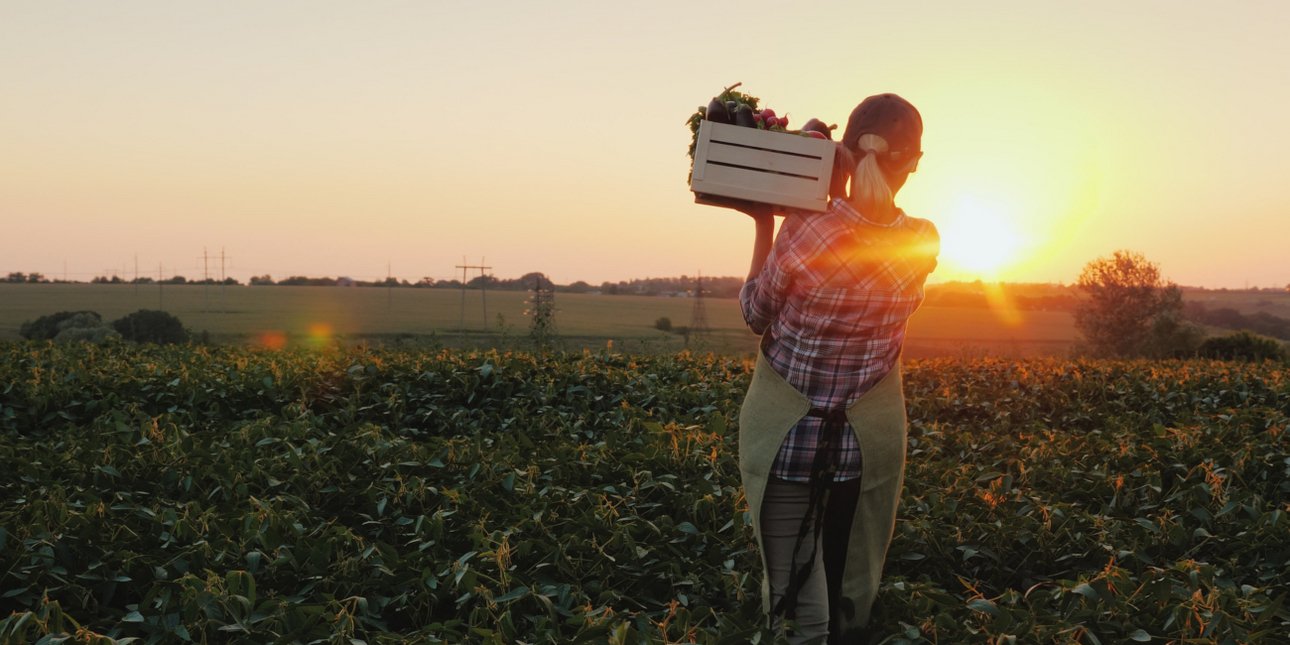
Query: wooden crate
[761, 166]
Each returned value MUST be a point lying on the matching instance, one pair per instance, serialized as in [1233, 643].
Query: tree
[1129, 310]
[151, 326]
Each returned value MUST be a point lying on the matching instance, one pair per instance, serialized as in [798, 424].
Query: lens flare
[272, 339]
[319, 334]
[1001, 304]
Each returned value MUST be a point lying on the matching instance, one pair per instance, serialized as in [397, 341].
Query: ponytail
[870, 192]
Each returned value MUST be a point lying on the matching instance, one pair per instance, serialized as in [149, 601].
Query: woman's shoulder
[922, 226]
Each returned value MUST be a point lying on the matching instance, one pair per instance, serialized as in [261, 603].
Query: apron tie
[823, 467]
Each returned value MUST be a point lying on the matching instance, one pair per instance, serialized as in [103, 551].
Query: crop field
[351, 495]
[306, 315]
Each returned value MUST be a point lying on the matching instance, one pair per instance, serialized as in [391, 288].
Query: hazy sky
[336, 138]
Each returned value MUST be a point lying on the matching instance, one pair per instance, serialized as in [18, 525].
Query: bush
[47, 327]
[663, 324]
[98, 335]
[1242, 346]
[151, 326]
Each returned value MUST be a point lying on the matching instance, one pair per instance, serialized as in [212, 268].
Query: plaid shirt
[831, 305]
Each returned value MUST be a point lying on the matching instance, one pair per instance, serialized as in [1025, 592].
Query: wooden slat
[761, 178]
[768, 139]
[764, 159]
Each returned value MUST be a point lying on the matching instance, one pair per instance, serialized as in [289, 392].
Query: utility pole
[542, 312]
[161, 301]
[136, 276]
[206, 281]
[699, 314]
[223, 302]
[483, 286]
[389, 288]
[483, 290]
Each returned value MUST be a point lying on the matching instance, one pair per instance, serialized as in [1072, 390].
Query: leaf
[513, 594]
[1085, 590]
[983, 605]
[688, 528]
[132, 617]
[1140, 636]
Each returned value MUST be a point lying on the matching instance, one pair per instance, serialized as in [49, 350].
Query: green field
[348, 495]
[241, 314]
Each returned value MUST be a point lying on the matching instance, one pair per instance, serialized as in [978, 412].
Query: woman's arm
[761, 244]
[762, 295]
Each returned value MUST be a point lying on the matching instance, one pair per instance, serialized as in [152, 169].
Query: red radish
[771, 121]
[767, 112]
[783, 121]
[813, 134]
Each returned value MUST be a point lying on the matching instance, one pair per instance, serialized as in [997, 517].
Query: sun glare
[979, 237]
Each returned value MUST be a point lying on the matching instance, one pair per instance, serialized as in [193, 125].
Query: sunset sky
[339, 138]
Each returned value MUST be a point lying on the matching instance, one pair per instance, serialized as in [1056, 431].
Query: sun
[979, 237]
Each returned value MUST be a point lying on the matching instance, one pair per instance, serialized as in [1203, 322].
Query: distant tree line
[19, 276]
[713, 287]
[179, 279]
[1259, 322]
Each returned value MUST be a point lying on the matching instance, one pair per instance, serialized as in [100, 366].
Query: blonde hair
[870, 191]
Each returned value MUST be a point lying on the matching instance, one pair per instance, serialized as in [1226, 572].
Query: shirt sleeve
[762, 297]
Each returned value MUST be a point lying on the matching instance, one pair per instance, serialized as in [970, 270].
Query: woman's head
[884, 134]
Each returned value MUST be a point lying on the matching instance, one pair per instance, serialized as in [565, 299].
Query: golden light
[272, 339]
[319, 334]
[979, 237]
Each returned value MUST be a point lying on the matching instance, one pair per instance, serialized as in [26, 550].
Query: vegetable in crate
[819, 128]
[717, 112]
[732, 100]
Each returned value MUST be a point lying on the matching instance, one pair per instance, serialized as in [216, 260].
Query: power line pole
[206, 281]
[699, 314]
[483, 290]
[223, 301]
[161, 301]
[542, 312]
[483, 286]
[389, 288]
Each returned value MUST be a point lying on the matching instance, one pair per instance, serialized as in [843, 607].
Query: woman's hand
[757, 210]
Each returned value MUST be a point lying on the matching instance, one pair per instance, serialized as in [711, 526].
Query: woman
[822, 429]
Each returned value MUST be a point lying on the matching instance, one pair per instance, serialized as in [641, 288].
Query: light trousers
[783, 508]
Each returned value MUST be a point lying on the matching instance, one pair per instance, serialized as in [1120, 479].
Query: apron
[771, 408]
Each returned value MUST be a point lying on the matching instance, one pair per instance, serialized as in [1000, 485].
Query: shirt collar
[848, 211]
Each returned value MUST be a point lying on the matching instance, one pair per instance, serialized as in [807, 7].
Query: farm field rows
[238, 495]
[246, 314]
